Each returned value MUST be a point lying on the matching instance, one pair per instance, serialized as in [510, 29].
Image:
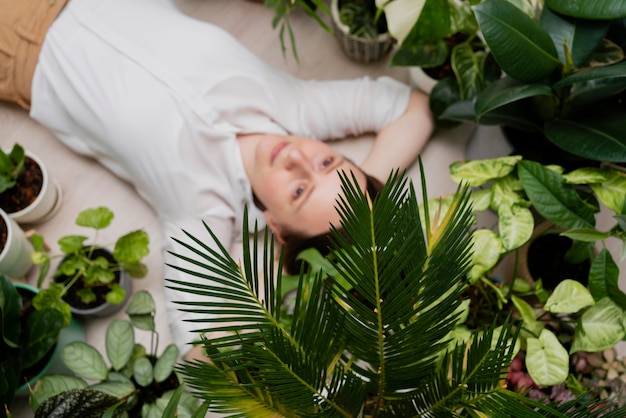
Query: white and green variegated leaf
[516, 225]
[612, 192]
[600, 327]
[507, 191]
[568, 297]
[487, 250]
[142, 303]
[143, 371]
[164, 365]
[85, 361]
[527, 313]
[478, 172]
[587, 175]
[547, 360]
[480, 199]
[119, 342]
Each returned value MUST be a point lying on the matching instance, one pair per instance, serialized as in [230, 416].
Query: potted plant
[27, 192]
[33, 331]
[137, 381]
[572, 316]
[360, 27]
[564, 83]
[94, 280]
[368, 336]
[15, 249]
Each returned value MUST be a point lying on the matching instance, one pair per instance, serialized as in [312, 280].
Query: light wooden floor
[87, 184]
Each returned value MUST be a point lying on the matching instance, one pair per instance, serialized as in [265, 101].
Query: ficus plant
[84, 267]
[135, 381]
[519, 191]
[565, 75]
[370, 334]
[11, 165]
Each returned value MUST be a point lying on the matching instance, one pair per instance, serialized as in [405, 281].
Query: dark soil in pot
[4, 234]
[150, 394]
[71, 296]
[28, 187]
[546, 261]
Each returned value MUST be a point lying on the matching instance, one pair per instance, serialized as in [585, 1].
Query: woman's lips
[277, 149]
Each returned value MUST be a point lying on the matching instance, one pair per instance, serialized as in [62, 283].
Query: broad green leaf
[478, 172]
[83, 402]
[481, 199]
[85, 361]
[597, 9]
[546, 359]
[508, 191]
[516, 225]
[116, 294]
[132, 247]
[41, 334]
[52, 385]
[467, 65]
[585, 234]
[511, 34]
[506, 91]
[604, 279]
[144, 322]
[569, 296]
[70, 244]
[421, 54]
[600, 327]
[96, 218]
[555, 200]
[616, 71]
[527, 314]
[10, 306]
[599, 134]
[116, 389]
[51, 298]
[119, 341]
[143, 371]
[142, 303]
[612, 192]
[487, 250]
[164, 365]
[587, 175]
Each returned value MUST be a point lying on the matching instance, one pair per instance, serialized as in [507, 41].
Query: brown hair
[296, 243]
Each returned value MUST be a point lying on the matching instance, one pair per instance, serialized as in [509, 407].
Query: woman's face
[297, 180]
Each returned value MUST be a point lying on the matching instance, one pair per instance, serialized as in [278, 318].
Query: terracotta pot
[15, 256]
[357, 48]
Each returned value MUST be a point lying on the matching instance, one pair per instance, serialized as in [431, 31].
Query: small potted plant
[32, 331]
[15, 249]
[27, 192]
[137, 381]
[95, 281]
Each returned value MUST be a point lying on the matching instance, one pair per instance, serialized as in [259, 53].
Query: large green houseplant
[587, 316]
[565, 77]
[370, 332]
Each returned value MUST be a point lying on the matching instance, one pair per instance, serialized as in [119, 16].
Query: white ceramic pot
[359, 49]
[420, 80]
[15, 257]
[46, 204]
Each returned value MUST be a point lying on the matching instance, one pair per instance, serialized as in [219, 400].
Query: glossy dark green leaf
[616, 71]
[42, 332]
[10, 305]
[590, 9]
[604, 277]
[522, 48]
[599, 135]
[421, 54]
[578, 37]
[77, 403]
[506, 91]
[555, 200]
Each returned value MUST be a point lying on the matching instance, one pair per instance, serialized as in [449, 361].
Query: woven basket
[359, 49]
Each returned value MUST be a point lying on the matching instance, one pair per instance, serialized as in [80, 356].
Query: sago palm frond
[367, 337]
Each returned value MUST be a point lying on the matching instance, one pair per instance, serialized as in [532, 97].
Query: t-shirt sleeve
[186, 327]
[339, 108]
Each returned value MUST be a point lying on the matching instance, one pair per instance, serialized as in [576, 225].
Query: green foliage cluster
[132, 382]
[11, 165]
[79, 263]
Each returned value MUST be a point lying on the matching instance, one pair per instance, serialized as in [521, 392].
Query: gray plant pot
[359, 49]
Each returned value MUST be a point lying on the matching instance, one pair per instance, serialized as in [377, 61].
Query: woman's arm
[398, 144]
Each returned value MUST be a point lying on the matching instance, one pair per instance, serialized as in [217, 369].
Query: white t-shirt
[159, 98]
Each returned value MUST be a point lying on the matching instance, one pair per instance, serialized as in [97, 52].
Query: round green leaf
[116, 294]
[120, 341]
[142, 303]
[600, 327]
[96, 218]
[142, 371]
[568, 297]
[516, 225]
[132, 247]
[487, 249]
[546, 359]
[480, 199]
[164, 365]
[85, 361]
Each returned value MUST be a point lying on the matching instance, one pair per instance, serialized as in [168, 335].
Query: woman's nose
[296, 160]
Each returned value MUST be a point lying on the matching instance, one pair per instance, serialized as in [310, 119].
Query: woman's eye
[298, 192]
[327, 162]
